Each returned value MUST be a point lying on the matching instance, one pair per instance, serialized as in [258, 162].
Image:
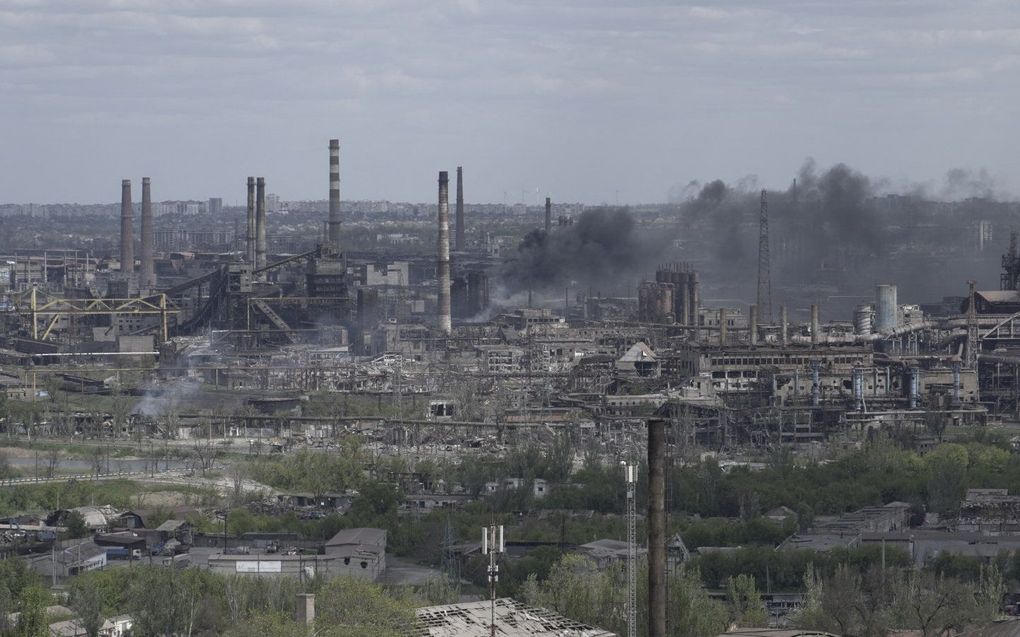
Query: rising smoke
[836, 232]
[602, 248]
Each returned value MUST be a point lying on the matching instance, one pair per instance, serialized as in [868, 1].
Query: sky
[582, 100]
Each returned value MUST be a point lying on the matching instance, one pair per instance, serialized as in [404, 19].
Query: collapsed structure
[341, 320]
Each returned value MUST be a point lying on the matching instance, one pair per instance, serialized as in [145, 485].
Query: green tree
[87, 602]
[578, 589]
[830, 604]
[934, 604]
[947, 467]
[746, 606]
[690, 610]
[76, 525]
[32, 605]
[351, 607]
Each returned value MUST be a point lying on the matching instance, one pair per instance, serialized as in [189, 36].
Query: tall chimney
[127, 229]
[815, 327]
[461, 244]
[656, 528]
[753, 327]
[147, 272]
[722, 327]
[695, 302]
[334, 195]
[683, 291]
[783, 321]
[260, 223]
[445, 319]
[249, 244]
[548, 215]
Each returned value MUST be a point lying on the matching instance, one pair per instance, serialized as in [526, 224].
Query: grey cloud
[640, 95]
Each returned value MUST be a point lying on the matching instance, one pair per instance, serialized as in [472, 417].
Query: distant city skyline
[589, 101]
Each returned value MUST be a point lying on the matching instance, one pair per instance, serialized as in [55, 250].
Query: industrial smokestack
[656, 528]
[445, 319]
[459, 236]
[548, 215]
[815, 336]
[249, 244]
[334, 195]
[127, 229]
[722, 327]
[260, 223]
[146, 276]
[753, 327]
[682, 284]
[695, 302]
[783, 325]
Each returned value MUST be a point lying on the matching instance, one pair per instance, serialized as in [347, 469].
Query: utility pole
[630, 475]
[492, 544]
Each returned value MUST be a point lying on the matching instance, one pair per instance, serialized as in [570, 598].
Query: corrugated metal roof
[367, 536]
[513, 619]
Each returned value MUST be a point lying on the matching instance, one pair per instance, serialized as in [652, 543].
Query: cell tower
[630, 473]
[764, 266]
[492, 545]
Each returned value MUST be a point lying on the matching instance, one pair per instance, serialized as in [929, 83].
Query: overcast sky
[583, 100]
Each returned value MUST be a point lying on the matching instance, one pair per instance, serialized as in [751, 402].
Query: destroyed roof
[638, 352]
[999, 296]
[170, 526]
[513, 619]
[774, 632]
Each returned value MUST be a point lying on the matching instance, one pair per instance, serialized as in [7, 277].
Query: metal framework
[155, 305]
[492, 545]
[631, 477]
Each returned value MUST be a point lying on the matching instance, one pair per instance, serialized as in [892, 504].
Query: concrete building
[360, 552]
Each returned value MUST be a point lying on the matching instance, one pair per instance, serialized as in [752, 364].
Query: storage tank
[886, 308]
[863, 318]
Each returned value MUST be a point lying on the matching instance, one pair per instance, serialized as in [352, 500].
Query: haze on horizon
[586, 100]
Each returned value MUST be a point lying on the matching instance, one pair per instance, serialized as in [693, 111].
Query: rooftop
[364, 536]
[513, 619]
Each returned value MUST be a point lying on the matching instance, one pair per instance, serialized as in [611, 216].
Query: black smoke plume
[836, 232]
[602, 247]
